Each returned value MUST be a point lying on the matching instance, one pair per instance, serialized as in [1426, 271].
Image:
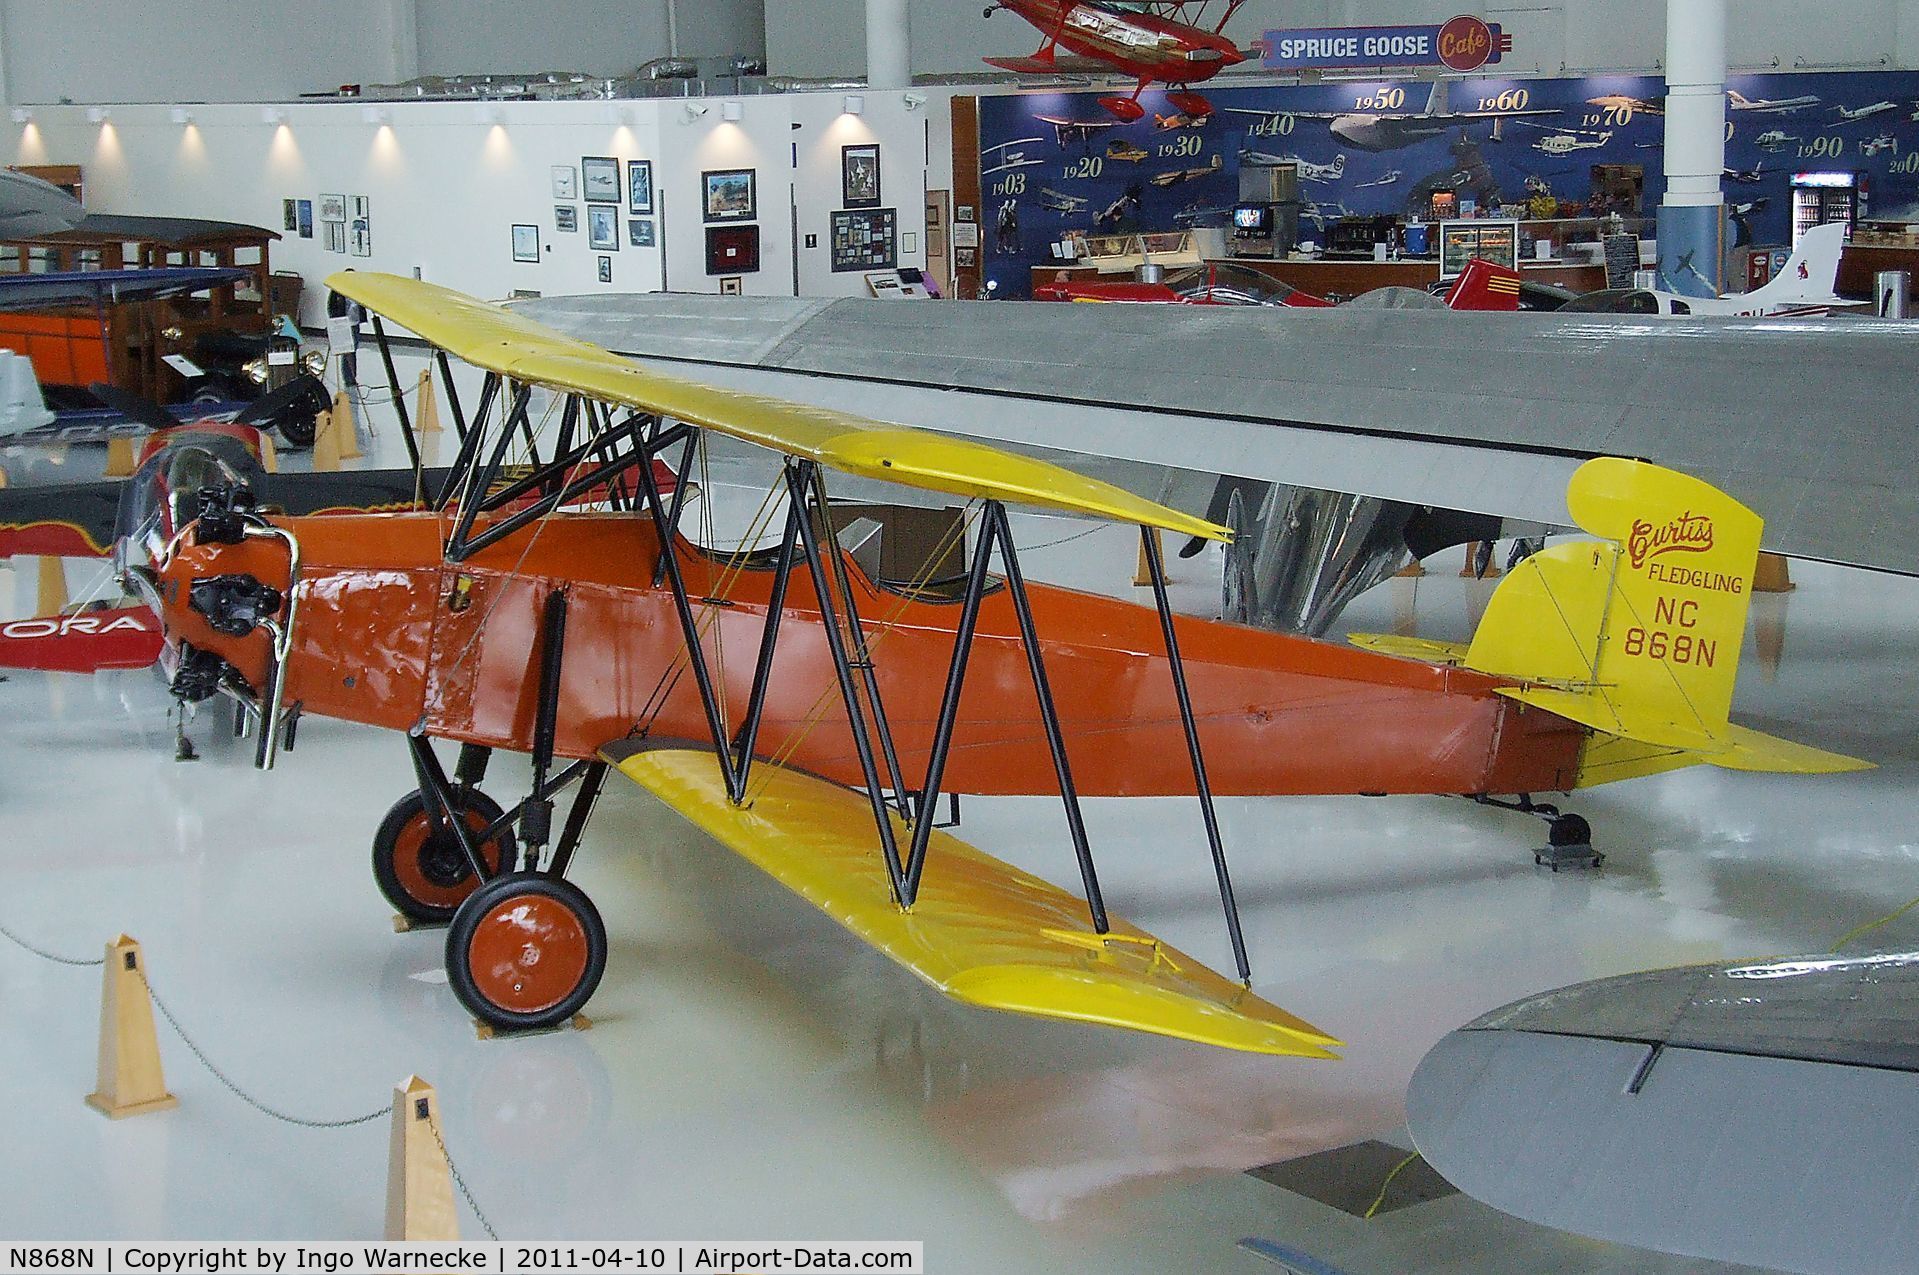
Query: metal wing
[515, 346]
[981, 931]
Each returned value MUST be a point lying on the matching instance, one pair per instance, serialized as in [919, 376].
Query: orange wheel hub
[528, 953]
[436, 872]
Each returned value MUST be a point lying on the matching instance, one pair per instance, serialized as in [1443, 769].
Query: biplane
[808, 707]
[1166, 42]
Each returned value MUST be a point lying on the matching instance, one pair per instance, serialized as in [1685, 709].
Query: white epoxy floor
[754, 1072]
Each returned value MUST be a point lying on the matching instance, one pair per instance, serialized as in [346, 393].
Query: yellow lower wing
[982, 931]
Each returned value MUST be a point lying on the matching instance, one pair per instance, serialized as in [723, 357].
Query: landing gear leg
[1569, 838]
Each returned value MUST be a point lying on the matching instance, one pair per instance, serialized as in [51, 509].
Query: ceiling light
[180, 115]
[855, 104]
[98, 114]
[375, 115]
[488, 113]
[732, 111]
[21, 115]
[272, 115]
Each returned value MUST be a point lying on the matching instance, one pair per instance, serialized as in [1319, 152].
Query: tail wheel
[425, 875]
[525, 951]
[1569, 830]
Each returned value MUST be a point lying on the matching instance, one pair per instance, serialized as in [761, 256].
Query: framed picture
[566, 219]
[602, 228]
[565, 185]
[732, 286]
[600, 179]
[606, 270]
[335, 235]
[289, 214]
[963, 212]
[732, 250]
[731, 195]
[860, 176]
[639, 232]
[305, 216]
[865, 239]
[333, 208]
[932, 216]
[526, 243]
[639, 186]
[362, 206]
[965, 256]
[360, 232]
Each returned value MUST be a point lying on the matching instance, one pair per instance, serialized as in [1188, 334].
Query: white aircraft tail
[1440, 102]
[1811, 274]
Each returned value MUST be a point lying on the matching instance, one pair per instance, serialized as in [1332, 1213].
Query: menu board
[1461, 241]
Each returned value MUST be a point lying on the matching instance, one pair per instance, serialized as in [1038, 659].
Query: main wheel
[525, 951]
[425, 875]
[1569, 830]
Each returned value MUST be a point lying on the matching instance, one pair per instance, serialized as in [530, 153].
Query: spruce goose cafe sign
[1463, 44]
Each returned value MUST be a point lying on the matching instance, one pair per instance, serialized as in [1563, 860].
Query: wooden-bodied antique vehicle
[810, 713]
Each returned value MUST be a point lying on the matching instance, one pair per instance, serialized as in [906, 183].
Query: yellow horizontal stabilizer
[1411, 648]
[982, 931]
[512, 345]
[1752, 750]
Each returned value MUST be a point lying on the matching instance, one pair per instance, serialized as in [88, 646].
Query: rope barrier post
[326, 443]
[130, 1082]
[419, 1178]
[119, 457]
[349, 429]
[53, 597]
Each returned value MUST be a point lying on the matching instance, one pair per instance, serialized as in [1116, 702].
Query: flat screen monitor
[1253, 217]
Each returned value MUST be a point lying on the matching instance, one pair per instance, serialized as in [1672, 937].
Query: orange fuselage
[379, 640]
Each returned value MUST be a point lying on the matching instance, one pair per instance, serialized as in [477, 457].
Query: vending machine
[1818, 198]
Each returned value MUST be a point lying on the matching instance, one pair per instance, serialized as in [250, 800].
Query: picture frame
[360, 234]
[932, 216]
[602, 228]
[600, 179]
[305, 215]
[335, 240]
[526, 242]
[730, 194]
[732, 250]
[860, 176]
[639, 187]
[566, 219]
[640, 232]
[732, 286]
[865, 239]
[963, 212]
[565, 183]
[966, 257]
[606, 270]
[289, 214]
[332, 207]
[362, 206]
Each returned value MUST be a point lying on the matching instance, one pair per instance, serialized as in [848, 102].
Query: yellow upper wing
[498, 341]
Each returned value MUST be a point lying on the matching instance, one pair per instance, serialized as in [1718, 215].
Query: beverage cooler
[1818, 198]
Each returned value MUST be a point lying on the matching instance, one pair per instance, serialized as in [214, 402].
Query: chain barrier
[193, 1046]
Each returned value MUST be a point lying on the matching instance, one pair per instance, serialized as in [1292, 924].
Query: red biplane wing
[82, 641]
[1058, 64]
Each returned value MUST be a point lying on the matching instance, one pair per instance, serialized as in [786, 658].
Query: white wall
[446, 187]
[246, 50]
[827, 37]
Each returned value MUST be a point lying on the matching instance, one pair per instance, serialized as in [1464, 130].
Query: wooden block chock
[1772, 575]
[426, 410]
[419, 1181]
[53, 587]
[349, 430]
[131, 1082]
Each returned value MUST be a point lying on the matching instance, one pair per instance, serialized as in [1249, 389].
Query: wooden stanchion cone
[53, 587]
[269, 454]
[349, 437]
[326, 444]
[131, 1082]
[419, 1181]
[119, 457]
[1143, 573]
[426, 410]
[1772, 575]
[1466, 572]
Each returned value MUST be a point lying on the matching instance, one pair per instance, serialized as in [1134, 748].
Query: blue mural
[1052, 163]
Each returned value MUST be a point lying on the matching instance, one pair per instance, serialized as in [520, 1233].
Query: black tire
[525, 951]
[426, 877]
[1569, 830]
[297, 430]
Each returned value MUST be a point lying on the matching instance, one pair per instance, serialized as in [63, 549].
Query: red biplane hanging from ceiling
[1170, 42]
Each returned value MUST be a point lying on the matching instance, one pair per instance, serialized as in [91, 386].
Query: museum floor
[753, 1072]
